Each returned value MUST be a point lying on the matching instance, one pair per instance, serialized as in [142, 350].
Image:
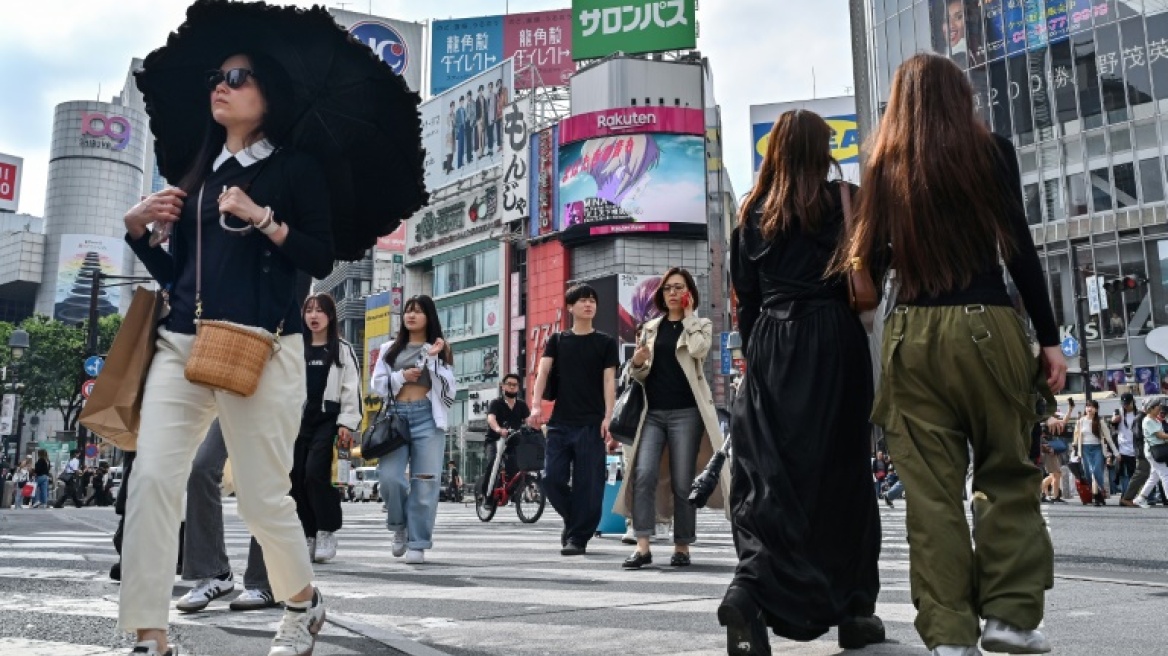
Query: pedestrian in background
[21, 475]
[417, 373]
[331, 413]
[581, 366]
[806, 523]
[679, 426]
[42, 469]
[933, 166]
[1124, 430]
[70, 476]
[1093, 444]
[1155, 433]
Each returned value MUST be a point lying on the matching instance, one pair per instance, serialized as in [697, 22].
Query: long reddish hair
[931, 187]
[791, 179]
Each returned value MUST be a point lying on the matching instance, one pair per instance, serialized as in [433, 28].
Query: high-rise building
[1081, 88]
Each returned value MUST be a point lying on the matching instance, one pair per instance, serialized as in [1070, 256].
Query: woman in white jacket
[332, 412]
[415, 372]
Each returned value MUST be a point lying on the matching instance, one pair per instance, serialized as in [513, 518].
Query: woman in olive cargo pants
[958, 369]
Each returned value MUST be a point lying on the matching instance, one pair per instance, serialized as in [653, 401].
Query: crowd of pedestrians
[35, 486]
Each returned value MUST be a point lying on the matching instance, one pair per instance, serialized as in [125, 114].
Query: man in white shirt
[1126, 466]
[69, 476]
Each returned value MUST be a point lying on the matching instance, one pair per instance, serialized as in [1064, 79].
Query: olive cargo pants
[955, 377]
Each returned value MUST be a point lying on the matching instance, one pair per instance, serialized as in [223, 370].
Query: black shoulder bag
[388, 432]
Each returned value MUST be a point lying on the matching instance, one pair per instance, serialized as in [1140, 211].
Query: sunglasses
[234, 78]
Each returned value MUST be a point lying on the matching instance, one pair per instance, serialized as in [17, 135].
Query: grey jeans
[681, 431]
[204, 549]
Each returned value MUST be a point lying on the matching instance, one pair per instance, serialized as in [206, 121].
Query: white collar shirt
[259, 150]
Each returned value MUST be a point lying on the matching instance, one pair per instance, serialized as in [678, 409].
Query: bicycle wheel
[530, 501]
[485, 513]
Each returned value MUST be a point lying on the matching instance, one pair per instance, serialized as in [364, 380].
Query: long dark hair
[325, 303]
[791, 180]
[276, 88]
[426, 306]
[931, 186]
[1096, 422]
[659, 295]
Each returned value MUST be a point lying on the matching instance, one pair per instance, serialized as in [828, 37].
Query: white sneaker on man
[415, 557]
[326, 547]
[150, 648]
[399, 543]
[296, 635]
[205, 592]
[1001, 637]
[630, 536]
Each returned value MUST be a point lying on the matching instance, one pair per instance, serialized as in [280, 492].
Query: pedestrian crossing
[487, 588]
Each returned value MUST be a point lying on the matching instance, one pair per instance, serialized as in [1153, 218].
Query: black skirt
[806, 521]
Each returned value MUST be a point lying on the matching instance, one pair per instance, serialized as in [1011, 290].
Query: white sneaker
[956, 650]
[205, 592]
[1141, 502]
[1001, 637]
[296, 635]
[415, 557]
[311, 549]
[661, 532]
[254, 600]
[630, 537]
[150, 648]
[326, 547]
[399, 543]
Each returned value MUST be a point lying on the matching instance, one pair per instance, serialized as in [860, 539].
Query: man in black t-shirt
[504, 416]
[585, 362]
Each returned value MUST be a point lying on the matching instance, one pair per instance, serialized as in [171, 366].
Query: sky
[55, 51]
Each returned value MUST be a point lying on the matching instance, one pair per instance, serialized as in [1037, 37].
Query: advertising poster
[377, 333]
[462, 129]
[1115, 377]
[840, 114]
[394, 242]
[515, 162]
[1148, 380]
[463, 48]
[1163, 370]
[636, 304]
[80, 256]
[10, 170]
[602, 27]
[544, 181]
[543, 41]
[644, 181]
[397, 43]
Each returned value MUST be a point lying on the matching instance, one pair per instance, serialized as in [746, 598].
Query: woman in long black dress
[806, 523]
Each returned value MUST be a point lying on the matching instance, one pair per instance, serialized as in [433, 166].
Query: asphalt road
[501, 588]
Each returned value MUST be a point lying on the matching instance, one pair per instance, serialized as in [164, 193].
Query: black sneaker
[572, 549]
[859, 632]
[637, 560]
[150, 648]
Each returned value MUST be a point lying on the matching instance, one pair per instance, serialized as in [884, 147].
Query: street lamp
[17, 345]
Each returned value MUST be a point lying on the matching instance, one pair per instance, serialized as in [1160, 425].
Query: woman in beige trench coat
[678, 399]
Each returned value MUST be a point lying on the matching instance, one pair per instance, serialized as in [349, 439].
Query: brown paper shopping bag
[114, 408]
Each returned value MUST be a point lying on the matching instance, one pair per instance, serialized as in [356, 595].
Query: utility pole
[1081, 322]
[90, 348]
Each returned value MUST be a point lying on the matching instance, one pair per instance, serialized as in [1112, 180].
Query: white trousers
[1158, 474]
[259, 432]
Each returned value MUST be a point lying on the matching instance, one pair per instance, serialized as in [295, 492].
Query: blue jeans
[679, 432]
[412, 504]
[1093, 461]
[574, 475]
[41, 495]
[895, 492]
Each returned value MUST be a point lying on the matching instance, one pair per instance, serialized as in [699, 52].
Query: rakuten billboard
[10, 170]
[632, 170]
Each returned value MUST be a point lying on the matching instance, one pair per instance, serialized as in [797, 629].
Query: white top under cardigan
[387, 383]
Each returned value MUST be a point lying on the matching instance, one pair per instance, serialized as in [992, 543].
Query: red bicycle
[523, 486]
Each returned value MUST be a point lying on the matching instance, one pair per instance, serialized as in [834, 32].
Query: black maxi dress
[804, 510]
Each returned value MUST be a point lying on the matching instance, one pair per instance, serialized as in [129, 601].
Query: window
[1087, 78]
[470, 319]
[1062, 81]
[1054, 204]
[1109, 58]
[1125, 185]
[478, 365]
[1033, 204]
[1077, 194]
[1151, 184]
[1135, 67]
[1019, 99]
[473, 270]
[1101, 190]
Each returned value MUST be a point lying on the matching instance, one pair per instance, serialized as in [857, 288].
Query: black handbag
[627, 412]
[388, 432]
[1159, 453]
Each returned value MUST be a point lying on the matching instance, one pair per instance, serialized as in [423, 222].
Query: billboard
[602, 27]
[463, 48]
[397, 43]
[394, 242]
[635, 305]
[10, 169]
[515, 161]
[80, 256]
[548, 272]
[840, 114]
[544, 185]
[378, 324]
[462, 129]
[543, 41]
[461, 219]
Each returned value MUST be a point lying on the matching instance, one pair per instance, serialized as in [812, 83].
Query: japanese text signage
[10, 168]
[630, 120]
[602, 27]
[544, 186]
[445, 225]
[541, 40]
[515, 162]
[463, 49]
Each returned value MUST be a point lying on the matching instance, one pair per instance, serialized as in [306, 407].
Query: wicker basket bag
[226, 356]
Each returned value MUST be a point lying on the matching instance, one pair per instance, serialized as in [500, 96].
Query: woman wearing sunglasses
[263, 214]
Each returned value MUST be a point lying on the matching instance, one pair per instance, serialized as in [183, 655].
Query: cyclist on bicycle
[504, 416]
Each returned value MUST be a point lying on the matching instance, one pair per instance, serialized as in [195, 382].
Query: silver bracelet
[268, 226]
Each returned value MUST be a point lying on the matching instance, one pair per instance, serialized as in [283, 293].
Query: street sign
[1093, 295]
[91, 451]
[1070, 347]
[727, 355]
[87, 388]
[94, 365]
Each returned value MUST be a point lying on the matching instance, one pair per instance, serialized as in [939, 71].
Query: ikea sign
[845, 140]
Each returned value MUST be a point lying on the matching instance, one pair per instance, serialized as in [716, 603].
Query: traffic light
[1124, 284]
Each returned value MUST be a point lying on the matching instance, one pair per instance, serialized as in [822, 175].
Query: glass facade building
[1081, 88]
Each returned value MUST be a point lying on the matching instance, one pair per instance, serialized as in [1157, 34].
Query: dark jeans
[318, 503]
[1143, 470]
[574, 476]
[72, 492]
[203, 547]
[1125, 468]
[681, 431]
